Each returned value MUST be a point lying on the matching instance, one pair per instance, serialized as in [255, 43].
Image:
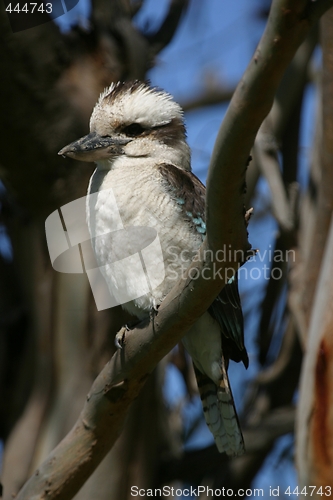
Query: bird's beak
[93, 147]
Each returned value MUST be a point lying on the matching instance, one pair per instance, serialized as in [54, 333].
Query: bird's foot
[119, 339]
[154, 310]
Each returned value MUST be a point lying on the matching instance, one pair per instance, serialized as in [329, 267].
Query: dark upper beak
[93, 147]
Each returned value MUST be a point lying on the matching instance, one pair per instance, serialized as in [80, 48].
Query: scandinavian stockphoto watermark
[131, 262]
[269, 263]
[130, 258]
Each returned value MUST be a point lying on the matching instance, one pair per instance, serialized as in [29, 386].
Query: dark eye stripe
[133, 130]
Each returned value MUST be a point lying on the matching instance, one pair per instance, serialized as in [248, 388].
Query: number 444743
[29, 8]
[310, 491]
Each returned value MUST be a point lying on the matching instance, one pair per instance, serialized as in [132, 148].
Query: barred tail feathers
[220, 413]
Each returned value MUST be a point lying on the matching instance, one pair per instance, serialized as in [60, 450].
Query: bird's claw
[119, 339]
[154, 310]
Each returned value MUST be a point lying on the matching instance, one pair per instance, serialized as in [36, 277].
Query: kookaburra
[138, 141]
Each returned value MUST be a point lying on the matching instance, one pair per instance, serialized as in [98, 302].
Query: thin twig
[164, 35]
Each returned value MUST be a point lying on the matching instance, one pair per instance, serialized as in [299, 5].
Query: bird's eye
[133, 130]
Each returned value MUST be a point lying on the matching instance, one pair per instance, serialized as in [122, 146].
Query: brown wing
[190, 194]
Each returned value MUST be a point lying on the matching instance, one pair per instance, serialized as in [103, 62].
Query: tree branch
[210, 97]
[164, 35]
[287, 27]
[314, 448]
[265, 154]
[102, 418]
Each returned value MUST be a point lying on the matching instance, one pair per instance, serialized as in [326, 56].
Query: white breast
[133, 196]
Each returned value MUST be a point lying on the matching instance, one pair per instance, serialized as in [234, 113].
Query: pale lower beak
[93, 147]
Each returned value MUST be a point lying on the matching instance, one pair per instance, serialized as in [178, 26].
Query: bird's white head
[137, 121]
